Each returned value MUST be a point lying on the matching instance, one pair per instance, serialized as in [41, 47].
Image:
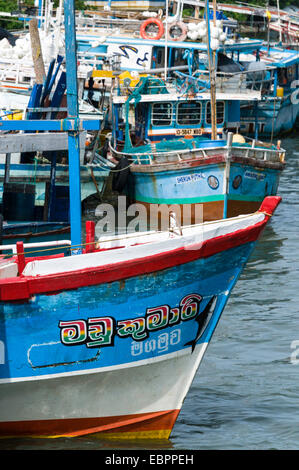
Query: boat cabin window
[177, 57]
[282, 77]
[158, 57]
[162, 114]
[291, 73]
[219, 112]
[189, 113]
[140, 119]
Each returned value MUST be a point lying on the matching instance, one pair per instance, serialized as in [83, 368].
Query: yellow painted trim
[155, 434]
[102, 74]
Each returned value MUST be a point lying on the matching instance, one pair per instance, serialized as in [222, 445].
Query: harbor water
[246, 392]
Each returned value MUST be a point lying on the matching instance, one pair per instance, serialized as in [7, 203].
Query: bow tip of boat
[270, 204]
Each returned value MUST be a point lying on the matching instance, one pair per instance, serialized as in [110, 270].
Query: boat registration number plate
[188, 132]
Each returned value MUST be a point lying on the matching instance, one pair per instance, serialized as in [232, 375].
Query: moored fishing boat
[108, 340]
[140, 310]
[175, 161]
[275, 114]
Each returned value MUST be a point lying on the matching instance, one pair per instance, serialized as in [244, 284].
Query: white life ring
[177, 31]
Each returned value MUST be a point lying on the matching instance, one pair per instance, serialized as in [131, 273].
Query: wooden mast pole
[214, 113]
[37, 55]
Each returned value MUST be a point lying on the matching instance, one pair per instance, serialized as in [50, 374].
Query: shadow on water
[83, 443]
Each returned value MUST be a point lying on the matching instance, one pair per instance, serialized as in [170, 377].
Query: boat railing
[243, 82]
[255, 149]
[91, 58]
[16, 72]
[111, 27]
[52, 244]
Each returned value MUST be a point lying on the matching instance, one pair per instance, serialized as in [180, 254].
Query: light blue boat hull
[205, 184]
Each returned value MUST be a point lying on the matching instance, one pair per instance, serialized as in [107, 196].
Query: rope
[273, 117]
[34, 171]
[70, 247]
[266, 213]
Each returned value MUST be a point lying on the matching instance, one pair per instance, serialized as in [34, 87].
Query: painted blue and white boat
[162, 139]
[83, 336]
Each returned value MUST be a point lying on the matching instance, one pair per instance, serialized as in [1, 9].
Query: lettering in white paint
[2, 353]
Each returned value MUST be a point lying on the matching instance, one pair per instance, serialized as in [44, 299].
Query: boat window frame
[199, 124]
[171, 114]
[208, 103]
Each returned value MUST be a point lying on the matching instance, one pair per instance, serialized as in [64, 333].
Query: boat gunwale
[202, 161]
[23, 288]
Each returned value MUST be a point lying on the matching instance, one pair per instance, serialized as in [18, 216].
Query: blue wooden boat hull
[273, 118]
[40, 175]
[204, 182]
[114, 350]
[33, 232]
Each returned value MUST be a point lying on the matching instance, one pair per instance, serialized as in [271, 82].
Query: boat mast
[268, 15]
[212, 69]
[279, 24]
[74, 134]
[166, 37]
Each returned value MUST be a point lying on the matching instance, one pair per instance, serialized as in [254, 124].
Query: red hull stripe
[21, 288]
[137, 423]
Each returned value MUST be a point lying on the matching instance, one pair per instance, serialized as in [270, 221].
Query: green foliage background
[11, 5]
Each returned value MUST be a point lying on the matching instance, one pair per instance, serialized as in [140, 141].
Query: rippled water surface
[246, 392]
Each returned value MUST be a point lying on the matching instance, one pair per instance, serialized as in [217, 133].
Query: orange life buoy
[146, 23]
[177, 31]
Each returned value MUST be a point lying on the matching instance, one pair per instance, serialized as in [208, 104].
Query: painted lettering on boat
[189, 178]
[101, 331]
[188, 132]
[160, 344]
[253, 175]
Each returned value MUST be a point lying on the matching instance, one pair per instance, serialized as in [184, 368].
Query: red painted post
[21, 257]
[90, 234]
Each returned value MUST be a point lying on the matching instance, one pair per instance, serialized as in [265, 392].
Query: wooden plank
[37, 55]
[47, 141]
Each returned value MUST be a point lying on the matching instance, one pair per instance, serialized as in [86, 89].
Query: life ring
[121, 175]
[146, 23]
[183, 30]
